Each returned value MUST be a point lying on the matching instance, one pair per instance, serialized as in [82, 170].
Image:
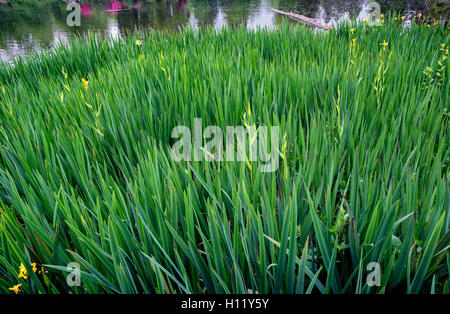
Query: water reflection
[114, 7]
[86, 9]
[24, 30]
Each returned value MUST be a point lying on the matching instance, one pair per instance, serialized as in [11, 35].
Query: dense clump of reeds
[86, 174]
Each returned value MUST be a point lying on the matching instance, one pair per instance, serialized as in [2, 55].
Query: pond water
[41, 24]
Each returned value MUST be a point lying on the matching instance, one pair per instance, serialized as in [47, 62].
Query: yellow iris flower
[22, 269]
[16, 288]
[85, 83]
[22, 275]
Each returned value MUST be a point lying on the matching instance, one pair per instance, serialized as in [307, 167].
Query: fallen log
[306, 20]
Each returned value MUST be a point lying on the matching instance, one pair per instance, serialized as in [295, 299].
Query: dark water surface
[41, 24]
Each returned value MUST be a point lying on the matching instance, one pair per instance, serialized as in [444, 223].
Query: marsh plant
[362, 179]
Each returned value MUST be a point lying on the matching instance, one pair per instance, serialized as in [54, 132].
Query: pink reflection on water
[113, 7]
[86, 8]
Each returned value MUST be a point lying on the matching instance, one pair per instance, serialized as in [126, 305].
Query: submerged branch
[306, 20]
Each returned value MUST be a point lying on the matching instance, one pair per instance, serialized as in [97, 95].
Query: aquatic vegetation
[86, 174]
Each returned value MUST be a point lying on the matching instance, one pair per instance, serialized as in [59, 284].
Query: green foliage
[86, 174]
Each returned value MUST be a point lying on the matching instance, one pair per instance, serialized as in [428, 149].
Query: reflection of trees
[26, 28]
[238, 12]
[158, 15]
[97, 20]
[205, 11]
[40, 22]
[15, 24]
